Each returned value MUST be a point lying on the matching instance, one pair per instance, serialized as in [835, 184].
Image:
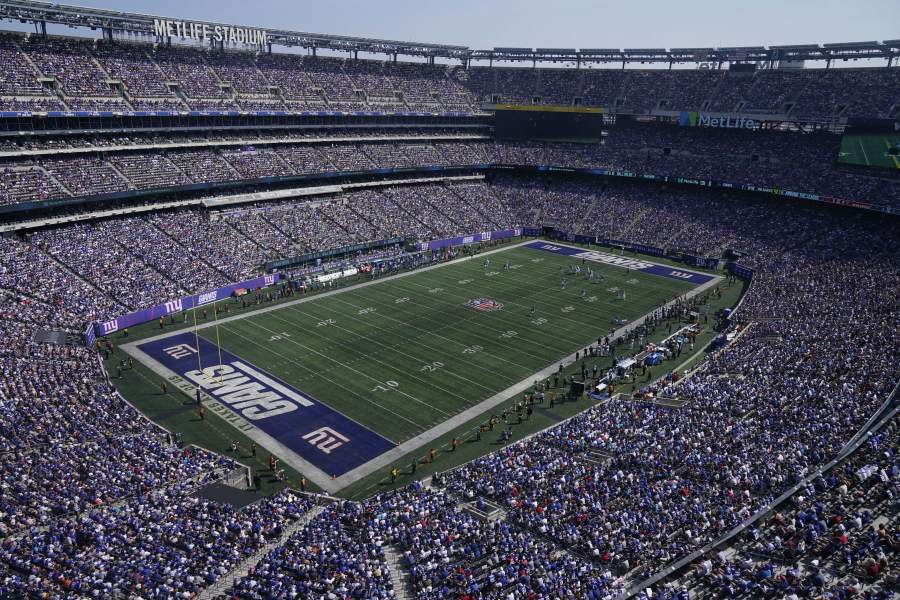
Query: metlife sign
[203, 32]
[694, 118]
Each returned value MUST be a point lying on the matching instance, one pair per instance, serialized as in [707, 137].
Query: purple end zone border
[319, 434]
[612, 260]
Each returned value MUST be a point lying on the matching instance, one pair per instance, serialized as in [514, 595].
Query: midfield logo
[484, 304]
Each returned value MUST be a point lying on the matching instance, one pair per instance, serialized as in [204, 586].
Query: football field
[331, 382]
[870, 150]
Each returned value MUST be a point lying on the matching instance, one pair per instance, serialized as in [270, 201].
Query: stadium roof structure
[41, 13]
[97, 18]
[888, 50]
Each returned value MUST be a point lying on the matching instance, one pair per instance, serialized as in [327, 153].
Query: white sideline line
[310, 298]
[411, 444]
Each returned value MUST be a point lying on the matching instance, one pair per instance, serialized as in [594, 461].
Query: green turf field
[869, 150]
[403, 343]
[406, 354]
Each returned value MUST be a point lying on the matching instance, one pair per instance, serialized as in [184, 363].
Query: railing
[887, 411]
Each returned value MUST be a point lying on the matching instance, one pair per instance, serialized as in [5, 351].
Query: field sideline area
[339, 385]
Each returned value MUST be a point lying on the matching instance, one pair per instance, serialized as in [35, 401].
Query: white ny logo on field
[326, 439]
[180, 351]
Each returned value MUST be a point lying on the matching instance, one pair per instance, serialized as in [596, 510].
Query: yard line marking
[517, 349]
[652, 283]
[408, 340]
[314, 372]
[578, 325]
[372, 358]
[433, 332]
[537, 301]
[463, 344]
[863, 148]
[348, 367]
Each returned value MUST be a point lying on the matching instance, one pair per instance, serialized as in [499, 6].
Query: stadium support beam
[41, 13]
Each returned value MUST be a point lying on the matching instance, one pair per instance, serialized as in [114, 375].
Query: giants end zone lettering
[234, 385]
[621, 261]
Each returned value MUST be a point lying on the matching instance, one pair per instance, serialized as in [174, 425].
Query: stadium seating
[97, 502]
[767, 159]
[679, 476]
[123, 76]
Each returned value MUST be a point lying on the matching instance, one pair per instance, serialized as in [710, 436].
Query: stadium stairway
[66, 269]
[193, 482]
[399, 573]
[224, 583]
[124, 177]
[52, 178]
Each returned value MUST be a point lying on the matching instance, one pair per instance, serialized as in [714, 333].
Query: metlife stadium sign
[695, 118]
[203, 32]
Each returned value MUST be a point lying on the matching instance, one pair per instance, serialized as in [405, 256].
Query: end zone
[636, 264]
[309, 436]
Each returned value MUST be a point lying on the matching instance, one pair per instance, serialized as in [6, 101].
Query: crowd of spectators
[837, 537]
[325, 559]
[238, 80]
[94, 502]
[800, 162]
[166, 543]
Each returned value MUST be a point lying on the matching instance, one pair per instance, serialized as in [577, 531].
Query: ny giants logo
[326, 439]
[173, 306]
[680, 274]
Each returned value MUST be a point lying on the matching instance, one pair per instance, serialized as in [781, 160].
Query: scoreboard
[514, 122]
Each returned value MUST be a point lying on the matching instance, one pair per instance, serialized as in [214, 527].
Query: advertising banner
[176, 306]
[864, 125]
[739, 270]
[470, 239]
